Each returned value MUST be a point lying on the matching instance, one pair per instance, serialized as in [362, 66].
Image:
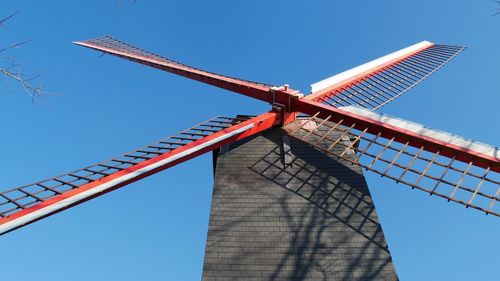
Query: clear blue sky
[156, 229]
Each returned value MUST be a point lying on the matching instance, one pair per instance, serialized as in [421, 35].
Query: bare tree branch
[14, 46]
[2, 21]
[31, 90]
[119, 2]
[11, 70]
[498, 8]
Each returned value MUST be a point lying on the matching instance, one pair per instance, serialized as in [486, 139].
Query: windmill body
[308, 217]
[338, 123]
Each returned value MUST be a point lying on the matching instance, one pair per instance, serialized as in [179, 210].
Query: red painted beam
[247, 88]
[136, 172]
[400, 135]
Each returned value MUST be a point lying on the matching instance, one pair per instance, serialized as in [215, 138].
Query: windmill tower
[290, 200]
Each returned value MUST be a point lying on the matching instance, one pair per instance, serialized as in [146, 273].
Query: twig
[14, 46]
[30, 89]
[119, 3]
[2, 21]
[498, 8]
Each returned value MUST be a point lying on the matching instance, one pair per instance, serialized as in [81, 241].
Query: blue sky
[156, 229]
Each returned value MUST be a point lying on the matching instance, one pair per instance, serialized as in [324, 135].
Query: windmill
[309, 151]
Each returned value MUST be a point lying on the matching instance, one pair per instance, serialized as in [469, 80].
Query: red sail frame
[400, 135]
[136, 172]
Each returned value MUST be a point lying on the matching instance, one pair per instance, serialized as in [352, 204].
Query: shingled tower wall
[313, 220]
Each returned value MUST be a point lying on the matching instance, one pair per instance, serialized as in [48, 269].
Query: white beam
[348, 74]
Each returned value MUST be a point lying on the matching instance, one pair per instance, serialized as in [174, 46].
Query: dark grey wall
[313, 220]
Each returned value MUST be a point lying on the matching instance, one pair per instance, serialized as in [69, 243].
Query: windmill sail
[376, 83]
[448, 166]
[115, 47]
[26, 204]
